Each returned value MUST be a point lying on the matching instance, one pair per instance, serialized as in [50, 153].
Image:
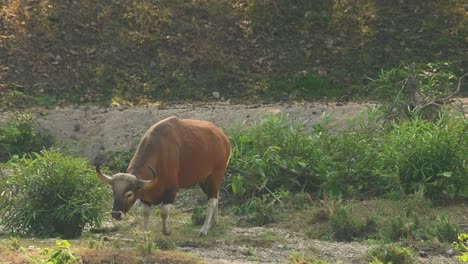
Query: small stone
[451, 252]
[216, 95]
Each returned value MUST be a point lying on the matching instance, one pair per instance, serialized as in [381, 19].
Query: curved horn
[155, 174]
[102, 176]
[144, 182]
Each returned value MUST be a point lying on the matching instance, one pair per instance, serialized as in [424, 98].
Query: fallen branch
[443, 100]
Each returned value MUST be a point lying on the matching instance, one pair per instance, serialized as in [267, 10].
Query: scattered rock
[451, 252]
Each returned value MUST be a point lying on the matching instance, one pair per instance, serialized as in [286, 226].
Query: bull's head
[125, 187]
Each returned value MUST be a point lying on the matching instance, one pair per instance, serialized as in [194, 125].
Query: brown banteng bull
[174, 153]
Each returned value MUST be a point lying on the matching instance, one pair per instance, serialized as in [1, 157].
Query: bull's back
[199, 147]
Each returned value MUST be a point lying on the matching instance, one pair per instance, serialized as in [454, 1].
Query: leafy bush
[347, 159]
[462, 247]
[198, 215]
[444, 230]
[49, 194]
[259, 211]
[119, 160]
[61, 254]
[365, 159]
[344, 226]
[419, 154]
[400, 228]
[391, 253]
[18, 136]
[303, 85]
[270, 155]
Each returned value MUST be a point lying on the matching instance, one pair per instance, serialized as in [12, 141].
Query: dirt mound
[95, 131]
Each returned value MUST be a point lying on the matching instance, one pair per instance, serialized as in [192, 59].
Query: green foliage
[462, 247]
[391, 253]
[270, 155]
[165, 243]
[119, 160]
[304, 85]
[344, 226]
[259, 211]
[198, 215]
[444, 230]
[18, 136]
[365, 159]
[61, 254]
[49, 194]
[401, 228]
[419, 154]
[347, 159]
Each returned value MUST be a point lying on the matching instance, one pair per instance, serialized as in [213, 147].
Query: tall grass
[418, 154]
[48, 194]
[365, 159]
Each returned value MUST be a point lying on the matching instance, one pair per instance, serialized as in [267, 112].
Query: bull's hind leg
[211, 187]
[212, 204]
[215, 214]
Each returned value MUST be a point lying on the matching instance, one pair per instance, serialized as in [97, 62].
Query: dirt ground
[91, 131]
[95, 131]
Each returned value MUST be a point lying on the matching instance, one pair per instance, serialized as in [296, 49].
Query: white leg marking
[164, 214]
[212, 203]
[215, 215]
[146, 213]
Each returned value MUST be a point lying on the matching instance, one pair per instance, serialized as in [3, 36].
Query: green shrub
[18, 136]
[417, 154]
[365, 159]
[119, 160]
[198, 215]
[462, 247]
[259, 211]
[304, 85]
[400, 228]
[344, 226]
[391, 253]
[165, 243]
[443, 229]
[270, 155]
[49, 194]
[61, 254]
[346, 164]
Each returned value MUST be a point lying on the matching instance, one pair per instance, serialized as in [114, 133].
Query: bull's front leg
[164, 214]
[146, 214]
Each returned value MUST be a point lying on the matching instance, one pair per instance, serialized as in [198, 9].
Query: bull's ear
[153, 171]
[103, 177]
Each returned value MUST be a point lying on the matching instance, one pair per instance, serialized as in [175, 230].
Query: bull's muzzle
[117, 215]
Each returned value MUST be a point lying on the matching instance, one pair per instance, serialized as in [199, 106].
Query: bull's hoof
[202, 233]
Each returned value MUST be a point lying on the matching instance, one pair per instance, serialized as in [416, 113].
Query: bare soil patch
[95, 131]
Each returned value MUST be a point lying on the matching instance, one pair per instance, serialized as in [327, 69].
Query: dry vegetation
[60, 52]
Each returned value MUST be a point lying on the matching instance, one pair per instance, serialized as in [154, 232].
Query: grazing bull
[174, 153]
